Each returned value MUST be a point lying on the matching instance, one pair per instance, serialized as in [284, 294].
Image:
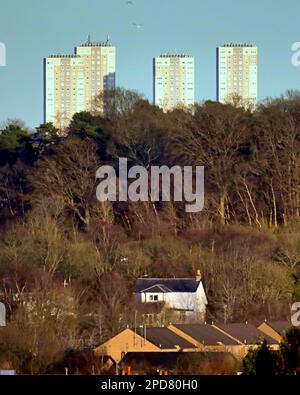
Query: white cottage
[184, 296]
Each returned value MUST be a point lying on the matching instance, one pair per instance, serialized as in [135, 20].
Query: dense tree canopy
[53, 230]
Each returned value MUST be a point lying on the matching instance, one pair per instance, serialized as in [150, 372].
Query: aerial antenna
[89, 39]
[107, 39]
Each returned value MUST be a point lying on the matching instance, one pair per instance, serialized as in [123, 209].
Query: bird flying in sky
[138, 25]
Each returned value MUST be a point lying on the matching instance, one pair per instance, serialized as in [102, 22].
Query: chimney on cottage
[198, 275]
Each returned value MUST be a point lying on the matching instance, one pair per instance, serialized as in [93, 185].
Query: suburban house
[184, 299]
[247, 335]
[276, 330]
[235, 339]
[169, 347]
[143, 340]
[205, 337]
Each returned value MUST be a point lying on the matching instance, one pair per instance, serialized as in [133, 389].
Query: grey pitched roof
[157, 289]
[164, 338]
[168, 284]
[280, 327]
[245, 333]
[206, 334]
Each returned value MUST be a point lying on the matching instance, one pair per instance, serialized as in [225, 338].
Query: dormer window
[154, 298]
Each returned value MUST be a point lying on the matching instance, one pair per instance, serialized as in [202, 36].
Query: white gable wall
[195, 301]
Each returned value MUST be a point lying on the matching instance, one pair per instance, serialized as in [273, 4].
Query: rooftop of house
[280, 327]
[164, 338]
[206, 334]
[164, 285]
[246, 333]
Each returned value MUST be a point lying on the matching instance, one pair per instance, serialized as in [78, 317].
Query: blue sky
[33, 29]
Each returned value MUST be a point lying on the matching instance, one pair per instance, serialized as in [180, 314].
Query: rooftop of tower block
[168, 55]
[96, 44]
[90, 43]
[64, 56]
[238, 45]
